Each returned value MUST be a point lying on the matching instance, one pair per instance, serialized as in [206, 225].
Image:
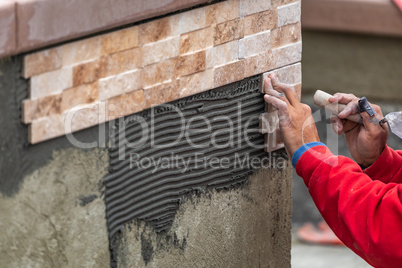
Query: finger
[267, 85]
[371, 123]
[281, 106]
[336, 124]
[351, 108]
[286, 89]
[342, 98]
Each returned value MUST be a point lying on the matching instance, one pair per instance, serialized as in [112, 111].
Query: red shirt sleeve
[387, 167]
[365, 214]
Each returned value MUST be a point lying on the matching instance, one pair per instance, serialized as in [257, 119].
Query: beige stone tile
[260, 22]
[191, 63]
[285, 35]
[221, 12]
[161, 93]
[83, 116]
[50, 83]
[289, 14]
[117, 85]
[81, 51]
[8, 43]
[82, 94]
[192, 20]
[41, 62]
[254, 44]
[222, 54]
[160, 51]
[196, 83]
[259, 64]
[277, 3]
[288, 54]
[196, 40]
[126, 104]
[120, 62]
[248, 7]
[119, 40]
[298, 89]
[158, 73]
[289, 74]
[87, 72]
[229, 73]
[41, 107]
[155, 30]
[228, 31]
[46, 128]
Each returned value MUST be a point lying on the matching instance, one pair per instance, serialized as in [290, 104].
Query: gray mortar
[17, 157]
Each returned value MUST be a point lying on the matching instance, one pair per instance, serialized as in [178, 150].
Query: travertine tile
[161, 93]
[222, 54]
[119, 40]
[221, 12]
[155, 30]
[285, 35]
[196, 40]
[158, 73]
[288, 54]
[229, 73]
[289, 14]
[191, 63]
[248, 7]
[42, 107]
[121, 62]
[254, 44]
[196, 83]
[259, 64]
[82, 94]
[289, 74]
[160, 51]
[117, 85]
[192, 20]
[260, 22]
[41, 62]
[298, 89]
[277, 3]
[228, 31]
[46, 128]
[83, 116]
[87, 72]
[125, 104]
[51, 82]
[80, 51]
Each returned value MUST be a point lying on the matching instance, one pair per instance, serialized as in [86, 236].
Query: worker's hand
[295, 119]
[365, 142]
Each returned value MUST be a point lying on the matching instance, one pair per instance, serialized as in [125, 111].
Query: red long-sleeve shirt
[363, 208]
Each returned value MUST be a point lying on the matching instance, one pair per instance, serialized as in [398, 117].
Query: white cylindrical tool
[321, 100]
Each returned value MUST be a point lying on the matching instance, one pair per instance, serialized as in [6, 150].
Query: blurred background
[349, 46]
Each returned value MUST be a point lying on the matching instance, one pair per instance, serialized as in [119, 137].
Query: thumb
[371, 123]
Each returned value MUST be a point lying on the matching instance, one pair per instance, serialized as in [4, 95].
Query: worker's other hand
[295, 119]
[365, 142]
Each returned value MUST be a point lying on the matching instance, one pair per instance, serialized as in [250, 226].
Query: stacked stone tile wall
[88, 82]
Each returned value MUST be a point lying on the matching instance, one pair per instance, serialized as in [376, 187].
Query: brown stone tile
[82, 94]
[46, 128]
[197, 40]
[228, 31]
[229, 73]
[117, 85]
[80, 51]
[154, 31]
[158, 73]
[191, 63]
[120, 62]
[125, 104]
[160, 94]
[41, 62]
[260, 22]
[8, 28]
[87, 72]
[160, 51]
[196, 83]
[119, 40]
[286, 35]
[259, 64]
[221, 12]
[42, 107]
